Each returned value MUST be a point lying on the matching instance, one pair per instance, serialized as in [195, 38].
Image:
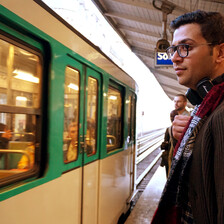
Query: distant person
[27, 161]
[180, 103]
[5, 136]
[194, 191]
[72, 143]
[168, 145]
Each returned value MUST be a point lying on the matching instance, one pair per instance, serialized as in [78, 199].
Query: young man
[180, 103]
[194, 192]
[72, 144]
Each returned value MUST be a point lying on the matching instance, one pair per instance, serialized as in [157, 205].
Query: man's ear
[220, 55]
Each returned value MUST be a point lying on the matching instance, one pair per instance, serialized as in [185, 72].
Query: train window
[114, 119]
[71, 115]
[92, 101]
[20, 73]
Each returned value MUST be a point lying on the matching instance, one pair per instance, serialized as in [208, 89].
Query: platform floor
[148, 201]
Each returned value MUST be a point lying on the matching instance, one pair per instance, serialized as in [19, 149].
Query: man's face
[179, 103]
[199, 63]
[73, 133]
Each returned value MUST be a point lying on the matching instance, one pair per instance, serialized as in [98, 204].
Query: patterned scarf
[174, 206]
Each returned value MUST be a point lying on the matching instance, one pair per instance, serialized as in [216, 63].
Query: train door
[131, 137]
[91, 147]
[81, 137]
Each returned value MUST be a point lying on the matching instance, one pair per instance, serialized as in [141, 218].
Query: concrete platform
[148, 201]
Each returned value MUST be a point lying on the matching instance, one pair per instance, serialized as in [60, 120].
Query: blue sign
[161, 59]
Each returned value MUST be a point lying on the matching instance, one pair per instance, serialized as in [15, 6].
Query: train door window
[20, 78]
[131, 118]
[71, 115]
[92, 105]
[114, 119]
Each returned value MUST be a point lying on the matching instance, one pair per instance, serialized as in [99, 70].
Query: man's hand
[7, 134]
[179, 123]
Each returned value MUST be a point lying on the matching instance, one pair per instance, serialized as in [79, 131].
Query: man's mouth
[179, 70]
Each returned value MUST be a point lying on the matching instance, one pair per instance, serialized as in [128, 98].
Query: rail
[146, 145]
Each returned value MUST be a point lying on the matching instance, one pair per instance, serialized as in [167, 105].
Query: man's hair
[183, 96]
[211, 23]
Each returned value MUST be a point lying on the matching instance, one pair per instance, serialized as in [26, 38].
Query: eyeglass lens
[182, 50]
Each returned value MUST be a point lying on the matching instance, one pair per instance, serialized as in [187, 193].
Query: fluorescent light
[112, 97]
[25, 76]
[73, 86]
[21, 98]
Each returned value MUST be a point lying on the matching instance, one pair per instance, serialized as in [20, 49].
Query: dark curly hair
[211, 23]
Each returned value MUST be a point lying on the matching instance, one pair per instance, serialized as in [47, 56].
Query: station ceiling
[141, 23]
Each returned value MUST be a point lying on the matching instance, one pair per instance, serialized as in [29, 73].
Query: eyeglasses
[182, 49]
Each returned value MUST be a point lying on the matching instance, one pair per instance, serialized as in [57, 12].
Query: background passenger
[168, 145]
[72, 143]
[180, 103]
[5, 136]
[25, 162]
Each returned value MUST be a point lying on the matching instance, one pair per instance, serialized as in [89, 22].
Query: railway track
[148, 159]
[148, 153]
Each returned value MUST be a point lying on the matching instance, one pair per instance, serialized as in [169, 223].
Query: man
[168, 145]
[72, 144]
[5, 136]
[180, 103]
[194, 192]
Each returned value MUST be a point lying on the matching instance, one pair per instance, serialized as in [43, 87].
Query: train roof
[41, 16]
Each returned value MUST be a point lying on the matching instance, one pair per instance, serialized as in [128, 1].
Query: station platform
[148, 201]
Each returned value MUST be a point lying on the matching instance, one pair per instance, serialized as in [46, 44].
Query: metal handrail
[18, 133]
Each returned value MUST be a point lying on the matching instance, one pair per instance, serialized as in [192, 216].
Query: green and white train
[67, 114]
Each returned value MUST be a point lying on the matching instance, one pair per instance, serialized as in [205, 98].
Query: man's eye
[185, 47]
[190, 47]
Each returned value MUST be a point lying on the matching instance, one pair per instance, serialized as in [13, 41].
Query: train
[67, 123]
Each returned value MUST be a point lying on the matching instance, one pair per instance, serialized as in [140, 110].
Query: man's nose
[176, 57]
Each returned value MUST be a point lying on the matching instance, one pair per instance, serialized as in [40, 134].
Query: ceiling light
[25, 76]
[73, 86]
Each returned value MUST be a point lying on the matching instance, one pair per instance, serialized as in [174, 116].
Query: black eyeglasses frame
[176, 48]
